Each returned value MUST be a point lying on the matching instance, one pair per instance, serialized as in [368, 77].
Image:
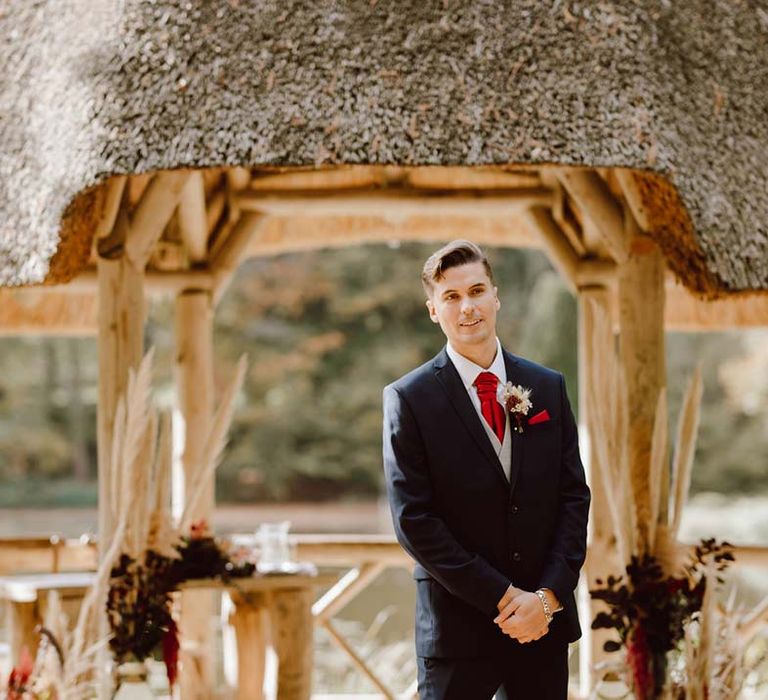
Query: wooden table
[276, 611]
[26, 600]
[273, 610]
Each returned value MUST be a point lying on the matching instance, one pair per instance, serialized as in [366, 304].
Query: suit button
[516, 556]
[514, 509]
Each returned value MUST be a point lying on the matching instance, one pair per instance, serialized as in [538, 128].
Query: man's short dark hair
[453, 254]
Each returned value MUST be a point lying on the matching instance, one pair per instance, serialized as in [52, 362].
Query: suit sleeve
[569, 548]
[419, 529]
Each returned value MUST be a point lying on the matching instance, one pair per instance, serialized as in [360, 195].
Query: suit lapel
[449, 378]
[514, 375]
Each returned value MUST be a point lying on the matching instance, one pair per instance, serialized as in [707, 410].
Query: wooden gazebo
[165, 145]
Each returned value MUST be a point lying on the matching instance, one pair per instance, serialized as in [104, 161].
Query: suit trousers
[534, 671]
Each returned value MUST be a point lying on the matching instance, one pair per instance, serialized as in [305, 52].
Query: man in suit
[491, 503]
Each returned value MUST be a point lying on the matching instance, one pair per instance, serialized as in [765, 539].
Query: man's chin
[470, 340]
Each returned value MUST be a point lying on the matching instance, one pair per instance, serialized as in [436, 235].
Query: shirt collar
[468, 370]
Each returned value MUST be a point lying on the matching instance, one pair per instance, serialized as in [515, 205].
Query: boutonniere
[516, 400]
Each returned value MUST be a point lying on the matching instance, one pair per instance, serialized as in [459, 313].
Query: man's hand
[522, 616]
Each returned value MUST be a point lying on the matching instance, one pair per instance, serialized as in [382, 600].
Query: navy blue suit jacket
[471, 531]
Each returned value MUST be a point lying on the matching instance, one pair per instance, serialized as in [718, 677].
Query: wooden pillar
[292, 628]
[641, 347]
[125, 244]
[602, 559]
[250, 618]
[122, 312]
[124, 248]
[22, 618]
[194, 381]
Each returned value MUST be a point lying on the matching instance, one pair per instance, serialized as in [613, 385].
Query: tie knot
[486, 383]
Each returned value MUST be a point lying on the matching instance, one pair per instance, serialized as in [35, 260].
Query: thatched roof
[90, 88]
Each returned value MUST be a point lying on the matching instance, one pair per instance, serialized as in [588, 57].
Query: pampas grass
[140, 500]
[213, 446]
[715, 639]
[658, 471]
[606, 394]
[682, 464]
[715, 645]
[666, 489]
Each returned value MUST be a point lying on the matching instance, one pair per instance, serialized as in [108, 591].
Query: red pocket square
[540, 417]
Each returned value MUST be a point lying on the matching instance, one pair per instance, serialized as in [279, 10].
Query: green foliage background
[324, 332]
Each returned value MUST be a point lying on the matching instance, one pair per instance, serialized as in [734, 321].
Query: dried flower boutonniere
[515, 399]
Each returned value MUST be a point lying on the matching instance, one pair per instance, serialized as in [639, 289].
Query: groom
[491, 503]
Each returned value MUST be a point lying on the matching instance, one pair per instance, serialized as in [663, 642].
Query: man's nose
[467, 306]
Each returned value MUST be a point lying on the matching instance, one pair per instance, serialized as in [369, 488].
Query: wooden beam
[281, 234]
[20, 555]
[193, 221]
[152, 214]
[340, 177]
[238, 178]
[346, 550]
[393, 204]
[686, 312]
[226, 258]
[421, 177]
[561, 212]
[626, 179]
[558, 249]
[29, 311]
[214, 211]
[337, 597]
[357, 660]
[115, 187]
[156, 283]
[460, 177]
[594, 198]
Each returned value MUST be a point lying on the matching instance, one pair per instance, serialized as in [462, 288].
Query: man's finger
[508, 596]
[507, 610]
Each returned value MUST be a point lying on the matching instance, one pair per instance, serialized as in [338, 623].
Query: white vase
[132, 682]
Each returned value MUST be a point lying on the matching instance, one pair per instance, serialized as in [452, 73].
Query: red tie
[492, 410]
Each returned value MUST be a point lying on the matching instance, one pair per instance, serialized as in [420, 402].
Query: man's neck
[481, 356]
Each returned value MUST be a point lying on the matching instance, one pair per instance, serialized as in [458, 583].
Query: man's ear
[498, 301]
[431, 309]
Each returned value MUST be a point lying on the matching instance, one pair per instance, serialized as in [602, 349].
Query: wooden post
[122, 311]
[641, 347]
[21, 621]
[123, 254]
[250, 618]
[122, 257]
[602, 559]
[194, 380]
[290, 612]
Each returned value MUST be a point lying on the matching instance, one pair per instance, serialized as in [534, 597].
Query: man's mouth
[469, 324]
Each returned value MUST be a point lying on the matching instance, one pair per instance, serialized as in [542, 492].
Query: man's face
[465, 303]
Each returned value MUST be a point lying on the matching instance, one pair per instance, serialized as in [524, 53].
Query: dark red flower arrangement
[649, 610]
[20, 676]
[139, 598]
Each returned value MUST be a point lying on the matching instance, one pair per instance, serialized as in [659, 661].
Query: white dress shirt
[468, 372]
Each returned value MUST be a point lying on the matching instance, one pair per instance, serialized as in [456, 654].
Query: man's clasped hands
[521, 615]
